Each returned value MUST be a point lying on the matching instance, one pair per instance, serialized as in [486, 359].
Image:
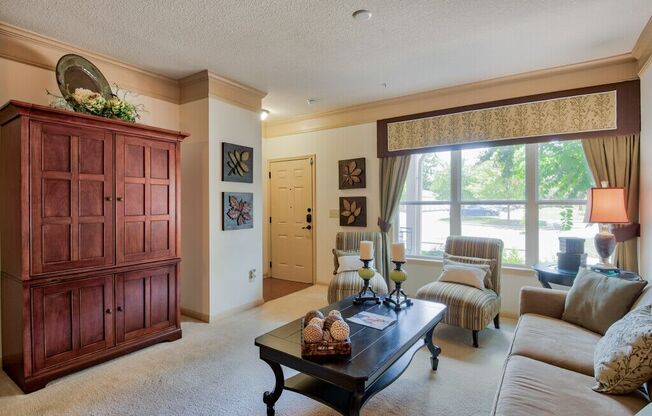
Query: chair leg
[475, 339]
[497, 321]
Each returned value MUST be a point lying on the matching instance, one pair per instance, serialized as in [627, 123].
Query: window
[526, 195]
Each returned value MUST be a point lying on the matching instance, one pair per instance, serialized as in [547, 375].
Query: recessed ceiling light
[361, 15]
[263, 114]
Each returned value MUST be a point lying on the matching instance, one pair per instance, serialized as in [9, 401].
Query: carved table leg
[355, 403]
[434, 349]
[270, 398]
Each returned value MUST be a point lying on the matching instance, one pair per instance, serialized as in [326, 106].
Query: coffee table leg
[270, 397]
[355, 403]
[434, 349]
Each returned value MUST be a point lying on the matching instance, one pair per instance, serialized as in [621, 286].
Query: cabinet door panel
[71, 207]
[146, 194]
[145, 302]
[71, 319]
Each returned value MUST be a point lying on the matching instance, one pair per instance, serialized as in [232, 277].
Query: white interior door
[292, 220]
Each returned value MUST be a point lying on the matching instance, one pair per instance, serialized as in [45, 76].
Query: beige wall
[329, 146]
[645, 249]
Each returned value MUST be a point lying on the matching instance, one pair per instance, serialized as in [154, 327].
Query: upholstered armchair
[349, 283]
[469, 307]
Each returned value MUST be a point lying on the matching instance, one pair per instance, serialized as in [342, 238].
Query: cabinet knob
[109, 198]
[119, 308]
[119, 199]
[108, 311]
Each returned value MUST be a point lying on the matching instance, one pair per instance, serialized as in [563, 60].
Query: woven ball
[335, 312]
[340, 330]
[317, 321]
[312, 333]
[327, 337]
[312, 314]
[328, 321]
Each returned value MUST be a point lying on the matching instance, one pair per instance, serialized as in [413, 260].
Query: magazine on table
[372, 320]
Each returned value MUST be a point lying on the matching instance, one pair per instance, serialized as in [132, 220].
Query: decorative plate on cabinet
[74, 71]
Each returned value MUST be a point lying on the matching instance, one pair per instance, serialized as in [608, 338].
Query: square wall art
[237, 163]
[352, 173]
[353, 211]
[238, 210]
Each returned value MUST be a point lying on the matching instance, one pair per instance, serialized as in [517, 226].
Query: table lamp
[606, 206]
[366, 273]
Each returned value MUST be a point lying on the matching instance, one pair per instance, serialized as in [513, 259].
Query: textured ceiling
[299, 49]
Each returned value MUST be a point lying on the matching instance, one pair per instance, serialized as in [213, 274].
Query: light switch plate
[333, 213]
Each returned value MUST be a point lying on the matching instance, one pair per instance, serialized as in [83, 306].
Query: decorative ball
[340, 330]
[328, 321]
[312, 333]
[317, 321]
[312, 314]
[335, 312]
[327, 337]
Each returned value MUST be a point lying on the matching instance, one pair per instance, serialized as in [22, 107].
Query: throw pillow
[484, 264]
[596, 301]
[351, 263]
[339, 253]
[623, 357]
[465, 275]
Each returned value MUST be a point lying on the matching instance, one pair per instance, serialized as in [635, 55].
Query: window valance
[612, 109]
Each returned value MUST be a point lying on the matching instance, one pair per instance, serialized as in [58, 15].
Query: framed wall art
[353, 211]
[237, 163]
[237, 210]
[352, 173]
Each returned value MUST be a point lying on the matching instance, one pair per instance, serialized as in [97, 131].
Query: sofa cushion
[623, 357]
[596, 301]
[467, 307]
[534, 388]
[555, 342]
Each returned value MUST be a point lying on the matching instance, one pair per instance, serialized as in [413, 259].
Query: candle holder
[366, 273]
[398, 276]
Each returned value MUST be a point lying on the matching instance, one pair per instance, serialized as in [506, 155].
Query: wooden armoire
[90, 240]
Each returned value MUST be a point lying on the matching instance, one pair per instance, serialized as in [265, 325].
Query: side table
[549, 273]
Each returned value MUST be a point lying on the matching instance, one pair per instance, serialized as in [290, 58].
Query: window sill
[511, 269]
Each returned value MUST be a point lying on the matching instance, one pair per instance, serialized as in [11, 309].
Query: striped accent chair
[469, 307]
[349, 283]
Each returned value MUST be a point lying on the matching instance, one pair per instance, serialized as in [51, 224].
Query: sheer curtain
[616, 160]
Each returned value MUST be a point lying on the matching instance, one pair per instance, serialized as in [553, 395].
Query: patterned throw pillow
[484, 264]
[623, 357]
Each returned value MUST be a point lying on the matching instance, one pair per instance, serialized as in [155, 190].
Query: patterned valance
[559, 115]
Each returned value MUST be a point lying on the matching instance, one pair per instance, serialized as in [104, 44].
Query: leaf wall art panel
[237, 163]
[353, 211]
[238, 210]
[352, 173]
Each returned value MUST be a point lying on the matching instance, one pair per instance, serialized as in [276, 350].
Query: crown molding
[643, 49]
[602, 71]
[31, 48]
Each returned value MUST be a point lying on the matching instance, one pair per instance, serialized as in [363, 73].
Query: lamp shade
[606, 206]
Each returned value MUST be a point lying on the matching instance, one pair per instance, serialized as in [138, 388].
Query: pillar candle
[366, 250]
[398, 252]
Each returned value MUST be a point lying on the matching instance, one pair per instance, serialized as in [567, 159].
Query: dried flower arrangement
[89, 102]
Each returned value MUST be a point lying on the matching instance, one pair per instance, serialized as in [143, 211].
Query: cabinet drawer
[146, 302]
[71, 319]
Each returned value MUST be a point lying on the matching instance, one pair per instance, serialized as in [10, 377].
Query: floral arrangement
[90, 102]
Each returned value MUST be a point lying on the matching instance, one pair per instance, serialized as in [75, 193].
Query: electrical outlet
[252, 274]
[333, 213]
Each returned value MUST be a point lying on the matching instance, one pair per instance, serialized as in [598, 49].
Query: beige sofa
[549, 368]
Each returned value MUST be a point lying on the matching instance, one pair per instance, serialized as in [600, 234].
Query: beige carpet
[215, 370]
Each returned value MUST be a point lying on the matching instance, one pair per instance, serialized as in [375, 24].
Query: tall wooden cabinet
[89, 228]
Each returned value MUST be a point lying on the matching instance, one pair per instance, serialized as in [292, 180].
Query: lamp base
[605, 244]
[397, 303]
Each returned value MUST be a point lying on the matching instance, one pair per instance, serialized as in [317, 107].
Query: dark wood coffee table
[378, 358]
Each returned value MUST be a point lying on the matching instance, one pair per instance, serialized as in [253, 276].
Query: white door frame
[313, 173]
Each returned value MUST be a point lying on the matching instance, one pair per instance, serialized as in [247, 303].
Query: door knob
[119, 308]
[108, 311]
[109, 198]
[119, 199]
[307, 227]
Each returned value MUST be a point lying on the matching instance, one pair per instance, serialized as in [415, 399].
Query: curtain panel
[393, 173]
[616, 160]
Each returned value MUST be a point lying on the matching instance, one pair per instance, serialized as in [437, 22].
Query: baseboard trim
[200, 316]
[236, 310]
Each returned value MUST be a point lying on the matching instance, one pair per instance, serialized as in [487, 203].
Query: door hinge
[270, 264]
[270, 175]
[311, 162]
[270, 220]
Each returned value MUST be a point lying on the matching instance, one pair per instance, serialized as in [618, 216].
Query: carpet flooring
[215, 370]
